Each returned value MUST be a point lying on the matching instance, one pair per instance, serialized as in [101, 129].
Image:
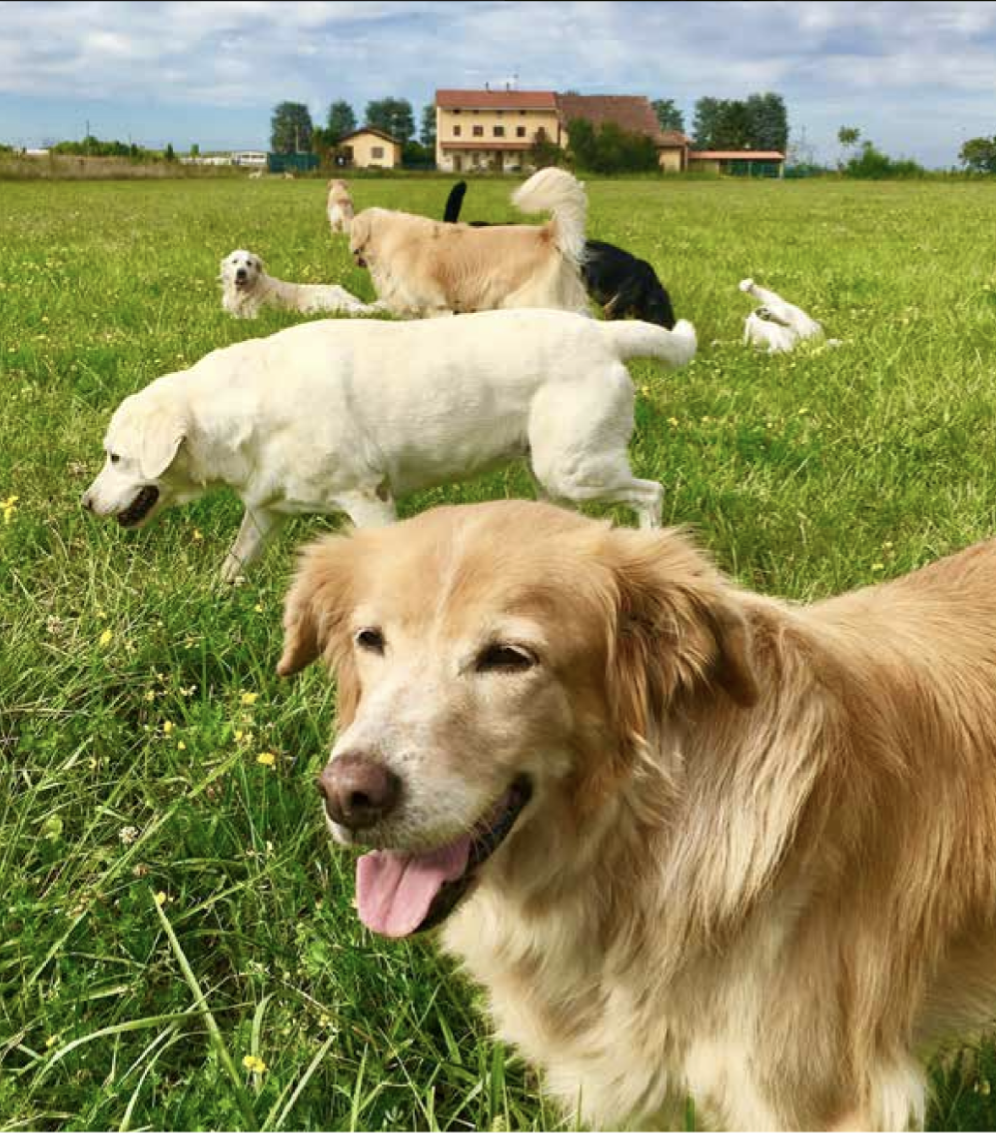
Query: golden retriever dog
[426, 267]
[246, 289]
[691, 840]
[340, 207]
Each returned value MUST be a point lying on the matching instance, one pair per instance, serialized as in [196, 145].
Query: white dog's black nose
[358, 791]
[241, 274]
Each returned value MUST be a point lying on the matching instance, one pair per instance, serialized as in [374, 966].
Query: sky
[916, 78]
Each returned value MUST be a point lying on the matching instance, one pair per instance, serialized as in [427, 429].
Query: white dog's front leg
[258, 525]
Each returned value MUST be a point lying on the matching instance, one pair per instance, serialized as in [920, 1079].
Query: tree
[290, 128]
[195, 150]
[848, 136]
[393, 116]
[979, 155]
[544, 151]
[668, 115]
[341, 121]
[707, 114]
[769, 128]
[610, 149]
[169, 154]
[428, 136]
[733, 128]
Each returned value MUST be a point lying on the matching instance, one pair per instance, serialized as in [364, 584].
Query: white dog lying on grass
[342, 416]
[246, 288]
[778, 326]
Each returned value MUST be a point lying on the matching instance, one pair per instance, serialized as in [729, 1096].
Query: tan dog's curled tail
[634, 339]
[557, 192]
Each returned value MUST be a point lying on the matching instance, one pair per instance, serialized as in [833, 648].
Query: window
[520, 131]
[457, 111]
[456, 131]
[499, 131]
[478, 131]
[377, 151]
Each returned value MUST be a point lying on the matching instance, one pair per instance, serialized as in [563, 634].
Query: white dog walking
[344, 416]
[778, 326]
[340, 207]
[246, 288]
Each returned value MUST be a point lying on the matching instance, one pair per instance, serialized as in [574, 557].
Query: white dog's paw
[231, 571]
[746, 285]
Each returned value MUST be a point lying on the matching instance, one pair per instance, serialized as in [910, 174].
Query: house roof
[368, 130]
[674, 138]
[630, 112]
[736, 155]
[496, 100]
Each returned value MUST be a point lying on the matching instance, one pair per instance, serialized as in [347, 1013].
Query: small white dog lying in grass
[777, 326]
[340, 207]
[343, 416]
[246, 288]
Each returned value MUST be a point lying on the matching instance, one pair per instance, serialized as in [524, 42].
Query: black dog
[623, 286]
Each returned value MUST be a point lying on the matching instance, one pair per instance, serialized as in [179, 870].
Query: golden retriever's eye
[372, 640]
[504, 659]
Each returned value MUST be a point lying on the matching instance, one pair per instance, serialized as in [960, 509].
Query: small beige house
[370, 148]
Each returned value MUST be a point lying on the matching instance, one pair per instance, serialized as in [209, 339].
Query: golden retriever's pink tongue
[394, 892]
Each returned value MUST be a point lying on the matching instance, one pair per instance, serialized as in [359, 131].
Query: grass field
[169, 903]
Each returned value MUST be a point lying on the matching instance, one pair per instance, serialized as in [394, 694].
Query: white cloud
[878, 58]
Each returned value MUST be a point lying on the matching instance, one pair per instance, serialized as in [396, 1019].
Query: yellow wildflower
[160, 898]
[51, 1041]
[267, 758]
[258, 607]
[249, 698]
[198, 536]
[181, 746]
[9, 506]
[105, 637]
[254, 1064]
[673, 422]
[878, 566]
[167, 727]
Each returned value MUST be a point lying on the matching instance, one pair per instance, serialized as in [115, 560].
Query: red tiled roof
[736, 155]
[673, 138]
[629, 112]
[368, 130]
[496, 99]
[523, 144]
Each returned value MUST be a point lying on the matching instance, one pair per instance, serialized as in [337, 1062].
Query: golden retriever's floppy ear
[316, 619]
[678, 629]
[163, 431]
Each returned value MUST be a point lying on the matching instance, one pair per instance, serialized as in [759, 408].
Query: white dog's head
[241, 271]
[145, 470]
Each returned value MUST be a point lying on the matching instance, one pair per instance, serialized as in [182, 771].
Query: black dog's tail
[454, 203]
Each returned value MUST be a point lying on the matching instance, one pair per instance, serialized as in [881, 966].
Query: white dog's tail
[556, 191]
[633, 339]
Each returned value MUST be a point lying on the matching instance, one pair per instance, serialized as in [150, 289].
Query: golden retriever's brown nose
[358, 790]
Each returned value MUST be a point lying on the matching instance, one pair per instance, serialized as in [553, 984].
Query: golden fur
[339, 206]
[425, 267]
[759, 863]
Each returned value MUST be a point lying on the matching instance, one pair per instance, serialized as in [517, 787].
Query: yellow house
[370, 148]
[479, 130]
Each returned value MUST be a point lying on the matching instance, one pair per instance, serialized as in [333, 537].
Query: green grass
[128, 748]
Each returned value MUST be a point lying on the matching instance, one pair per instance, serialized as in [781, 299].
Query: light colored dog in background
[246, 289]
[424, 267]
[691, 840]
[340, 207]
[345, 415]
[777, 325]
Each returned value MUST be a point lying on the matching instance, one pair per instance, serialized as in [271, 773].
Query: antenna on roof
[487, 86]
